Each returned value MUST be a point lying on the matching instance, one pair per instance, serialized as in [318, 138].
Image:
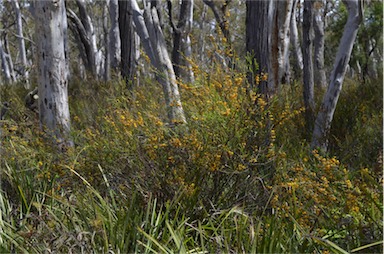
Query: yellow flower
[257, 79]
[241, 167]
[355, 209]
[264, 76]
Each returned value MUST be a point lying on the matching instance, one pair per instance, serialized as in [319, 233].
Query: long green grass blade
[367, 246]
[153, 240]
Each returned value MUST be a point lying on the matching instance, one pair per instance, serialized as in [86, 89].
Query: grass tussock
[238, 178]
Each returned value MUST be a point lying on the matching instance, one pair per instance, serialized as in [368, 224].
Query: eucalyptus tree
[319, 13]
[4, 65]
[220, 16]
[267, 40]
[182, 50]
[328, 106]
[308, 77]
[280, 37]
[149, 28]
[84, 30]
[258, 18]
[20, 37]
[50, 29]
[7, 22]
[128, 42]
[114, 49]
[295, 42]
[7, 62]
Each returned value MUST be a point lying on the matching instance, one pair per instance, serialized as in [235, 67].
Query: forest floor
[238, 178]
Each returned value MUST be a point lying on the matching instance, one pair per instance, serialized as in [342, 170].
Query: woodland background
[191, 126]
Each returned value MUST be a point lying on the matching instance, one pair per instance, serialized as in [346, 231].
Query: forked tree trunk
[182, 51]
[223, 23]
[148, 27]
[308, 80]
[328, 106]
[220, 18]
[85, 31]
[53, 98]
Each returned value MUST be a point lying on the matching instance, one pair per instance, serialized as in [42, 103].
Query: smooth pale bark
[90, 30]
[148, 27]
[8, 58]
[107, 56]
[188, 56]
[20, 37]
[181, 41]
[66, 46]
[308, 78]
[280, 34]
[201, 43]
[83, 27]
[114, 35]
[295, 42]
[128, 42]
[258, 18]
[4, 65]
[52, 71]
[328, 106]
[318, 27]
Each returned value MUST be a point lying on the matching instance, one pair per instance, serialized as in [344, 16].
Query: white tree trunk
[149, 29]
[52, 78]
[318, 27]
[85, 31]
[325, 115]
[280, 35]
[8, 58]
[201, 41]
[114, 35]
[188, 56]
[107, 56]
[4, 65]
[188, 45]
[20, 37]
[296, 48]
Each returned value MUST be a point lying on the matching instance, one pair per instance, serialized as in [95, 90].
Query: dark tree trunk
[309, 102]
[181, 40]
[127, 39]
[257, 41]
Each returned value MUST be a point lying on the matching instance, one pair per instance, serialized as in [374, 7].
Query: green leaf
[367, 246]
